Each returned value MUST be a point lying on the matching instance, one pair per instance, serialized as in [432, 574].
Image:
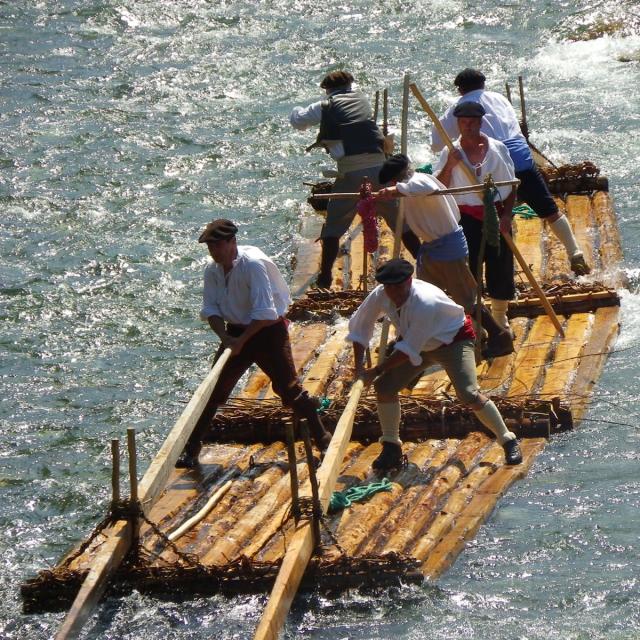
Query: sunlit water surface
[128, 125]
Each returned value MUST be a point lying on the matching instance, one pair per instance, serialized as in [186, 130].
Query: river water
[126, 126]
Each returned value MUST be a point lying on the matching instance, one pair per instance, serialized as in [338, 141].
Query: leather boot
[330, 247]
[499, 340]
[389, 458]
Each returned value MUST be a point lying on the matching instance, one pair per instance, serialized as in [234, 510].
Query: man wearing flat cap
[244, 301]
[430, 329]
[443, 256]
[501, 123]
[352, 138]
[485, 156]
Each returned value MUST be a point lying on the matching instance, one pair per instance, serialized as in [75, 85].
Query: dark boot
[390, 458]
[307, 407]
[512, 453]
[189, 457]
[499, 341]
[411, 242]
[330, 247]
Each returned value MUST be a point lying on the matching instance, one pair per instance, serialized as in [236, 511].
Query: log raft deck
[455, 472]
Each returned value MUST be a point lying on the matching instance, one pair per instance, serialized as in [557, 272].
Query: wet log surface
[453, 477]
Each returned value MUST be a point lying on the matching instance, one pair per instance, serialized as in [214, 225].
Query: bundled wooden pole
[115, 471]
[301, 546]
[507, 236]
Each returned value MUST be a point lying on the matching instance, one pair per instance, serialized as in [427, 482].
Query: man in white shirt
[501, 123]
[443, 256]
[244, 301]
[484, 156]
[431, 329]
[352, 138]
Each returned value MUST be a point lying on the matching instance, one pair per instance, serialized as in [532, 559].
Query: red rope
[367, 209]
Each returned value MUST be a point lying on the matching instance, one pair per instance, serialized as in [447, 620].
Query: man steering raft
[352, 138]
[245, 300]
[431, 329]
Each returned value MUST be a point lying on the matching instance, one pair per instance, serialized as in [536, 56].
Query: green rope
[524, 211]
[490, 223]
[343, 499]
[425, 168]
[325, 403]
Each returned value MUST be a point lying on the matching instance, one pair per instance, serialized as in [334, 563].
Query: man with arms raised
[352, 138]
[431, 329]
[245, 299]
[501, 123]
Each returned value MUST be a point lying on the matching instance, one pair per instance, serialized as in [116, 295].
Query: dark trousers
[498, 265]
[270, 349]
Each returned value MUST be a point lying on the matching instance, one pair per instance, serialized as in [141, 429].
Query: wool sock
[499, 312]
[389, 416]
[491, 418]
[562, 229]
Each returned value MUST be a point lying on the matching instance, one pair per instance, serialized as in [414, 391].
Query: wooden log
[610, 249]
[104, 564]
[530, 307]
[580, 214]
[297, 557]
[417, 507]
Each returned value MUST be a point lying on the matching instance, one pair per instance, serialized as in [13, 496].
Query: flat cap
[394, 271]
[469, 79]
[220, 229]
[392, 167]
[469, 110]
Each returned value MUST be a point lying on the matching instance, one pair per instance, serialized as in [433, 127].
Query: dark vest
[347, 117]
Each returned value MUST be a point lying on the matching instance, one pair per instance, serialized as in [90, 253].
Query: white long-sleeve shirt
[497, 162]
[254, 289]
[427, 320]
[302, 118]
[429, 217]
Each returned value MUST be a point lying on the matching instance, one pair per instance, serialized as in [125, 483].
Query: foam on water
[125, 127]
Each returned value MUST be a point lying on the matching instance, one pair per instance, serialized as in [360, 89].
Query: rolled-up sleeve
[302, 118]
[409, 350]
[263, 303]
[364, 319]
[210, 306]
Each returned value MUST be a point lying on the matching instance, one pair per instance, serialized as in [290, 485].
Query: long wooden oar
[507, 237]
[438, 192]
[119, 535]
[300, 548]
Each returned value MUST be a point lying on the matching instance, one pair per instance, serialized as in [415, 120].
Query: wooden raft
[437, 502]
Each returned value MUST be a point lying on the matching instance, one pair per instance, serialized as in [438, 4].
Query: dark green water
[125, 126]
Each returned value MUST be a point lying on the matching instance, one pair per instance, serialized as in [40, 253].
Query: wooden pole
[293, 469]
[300, 549]
[508, 90]
[523, 108]
[507, 236]
[397, 237]
[220, 492]
[119, 536]
[376, 103]
[439, 192]
[115, 471]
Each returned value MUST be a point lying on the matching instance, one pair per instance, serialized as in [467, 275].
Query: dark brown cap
[393, 167]
[394, 271]
[469, 110]
[336, 79]
[218, 230]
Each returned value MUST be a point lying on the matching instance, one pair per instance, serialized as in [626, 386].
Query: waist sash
[453, 246]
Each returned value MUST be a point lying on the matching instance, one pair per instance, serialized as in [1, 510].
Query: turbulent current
[126, 126]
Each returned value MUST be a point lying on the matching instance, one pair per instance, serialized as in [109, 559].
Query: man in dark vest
[352, 138]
